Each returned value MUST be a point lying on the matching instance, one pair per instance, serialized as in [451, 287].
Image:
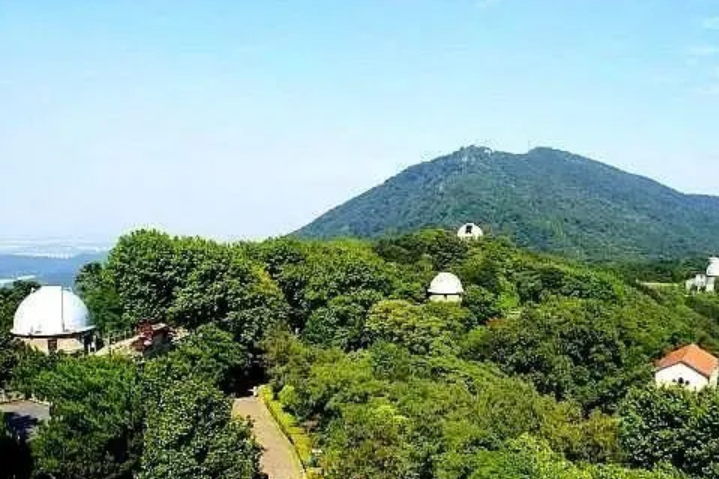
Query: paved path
[279, 460]
[25, 416]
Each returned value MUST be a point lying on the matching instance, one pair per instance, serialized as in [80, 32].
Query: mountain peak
[547, 199]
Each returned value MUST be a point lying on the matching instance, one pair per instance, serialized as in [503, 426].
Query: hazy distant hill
[546, 199]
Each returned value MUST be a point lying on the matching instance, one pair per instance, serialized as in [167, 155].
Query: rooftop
[693, 356]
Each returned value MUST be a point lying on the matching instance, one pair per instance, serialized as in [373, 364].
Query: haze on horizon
[239, 119]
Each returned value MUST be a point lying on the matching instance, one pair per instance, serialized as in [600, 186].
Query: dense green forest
[544, 371]
[546, 199]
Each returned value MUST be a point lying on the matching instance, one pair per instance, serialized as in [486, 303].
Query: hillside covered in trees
[546, 199]
[544, 371]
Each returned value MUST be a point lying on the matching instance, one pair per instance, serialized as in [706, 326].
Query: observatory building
[445, 287]
[54, 319]
[470, 231]
[712, 274]
[706, 282]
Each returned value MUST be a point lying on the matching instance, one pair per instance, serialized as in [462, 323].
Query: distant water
[7, 281]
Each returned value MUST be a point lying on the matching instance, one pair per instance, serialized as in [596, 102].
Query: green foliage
[659, 271]
[583, 350]
[143, 268]
[98, 293]
[672, 425]
[210, 354]
[190, 435]
[546, 199]
[529, 458]
[10, 299]
[95, 430]
[9, 357]
[421, 329]
[705, 304]
[189, 282]
[341, 322]
[389, 413]
[287, 422]
[374, 431]
[442, 248]
[522, 379]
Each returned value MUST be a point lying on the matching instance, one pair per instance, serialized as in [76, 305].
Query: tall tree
[99, 294]
[190, 435]
[96, 425]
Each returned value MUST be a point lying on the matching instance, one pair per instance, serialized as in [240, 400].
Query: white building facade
[682, 375]
[689, 367]
[706, 282]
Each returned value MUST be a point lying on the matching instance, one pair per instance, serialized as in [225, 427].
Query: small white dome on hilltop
[51, 311]
[713, 269]
[470, 231]
[446, 283]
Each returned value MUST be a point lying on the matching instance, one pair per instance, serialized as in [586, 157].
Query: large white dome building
[445, 287]
[54, 319]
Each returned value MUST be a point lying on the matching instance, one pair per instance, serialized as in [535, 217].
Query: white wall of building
[446, 298]
[692, 380]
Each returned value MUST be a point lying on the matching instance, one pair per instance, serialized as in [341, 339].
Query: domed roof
[445, 283]
[470, 231]
[51, 311]
[713, 269]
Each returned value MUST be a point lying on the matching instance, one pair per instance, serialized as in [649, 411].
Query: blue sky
[242, 119]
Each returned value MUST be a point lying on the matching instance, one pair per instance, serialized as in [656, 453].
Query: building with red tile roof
[689, 366]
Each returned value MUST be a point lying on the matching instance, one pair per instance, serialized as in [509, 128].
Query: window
[52, 345]
[468, 229]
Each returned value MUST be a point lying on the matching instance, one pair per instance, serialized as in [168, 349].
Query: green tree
[10, 299]
[341, 322]
[101, 298]
[96, 425]
[418, 328]
[209, 354]
[672, 425]
[369, 442]
[529, 458]
[190, 435]
[584, 350]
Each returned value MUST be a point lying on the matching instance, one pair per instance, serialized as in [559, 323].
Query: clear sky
[240, 119]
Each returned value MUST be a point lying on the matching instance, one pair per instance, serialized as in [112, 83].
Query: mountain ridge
[546, 199]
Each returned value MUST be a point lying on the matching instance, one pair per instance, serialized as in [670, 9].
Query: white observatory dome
[51, 311]
[470, 231]
[713, 269]
[445, 283]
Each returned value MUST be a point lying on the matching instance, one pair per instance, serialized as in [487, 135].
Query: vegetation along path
[279, 460]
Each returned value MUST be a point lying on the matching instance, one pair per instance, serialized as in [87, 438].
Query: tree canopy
[542, 371]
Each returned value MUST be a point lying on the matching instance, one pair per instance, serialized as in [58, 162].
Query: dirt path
[279, 460]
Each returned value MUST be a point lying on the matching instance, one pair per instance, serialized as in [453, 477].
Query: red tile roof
[693, 356]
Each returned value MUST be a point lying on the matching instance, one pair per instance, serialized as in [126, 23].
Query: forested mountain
[545, 199]
[543, 371]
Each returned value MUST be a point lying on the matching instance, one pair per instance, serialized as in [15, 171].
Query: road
[279, 460]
